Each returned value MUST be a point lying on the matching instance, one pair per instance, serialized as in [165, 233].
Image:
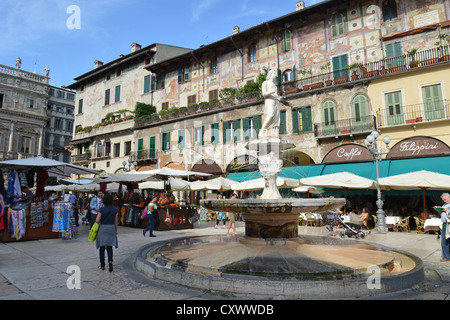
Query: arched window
[337, 25]
[389, 10]
[329, 118]
[288, 75]
[360, 110]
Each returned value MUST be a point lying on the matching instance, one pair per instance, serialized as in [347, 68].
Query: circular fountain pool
[308, 267]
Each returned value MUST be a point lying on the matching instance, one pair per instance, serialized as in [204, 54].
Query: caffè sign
[351, 152]
[417, 147]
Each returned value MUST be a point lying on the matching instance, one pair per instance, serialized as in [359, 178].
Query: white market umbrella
[124, 177]
[175, 185]
[258, 184]
[417, 180]
[220, 183]
[53, 167]
[168, 172]
[308, 189]
[340, 180]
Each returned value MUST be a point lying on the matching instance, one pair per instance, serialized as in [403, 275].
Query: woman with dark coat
[108, 218]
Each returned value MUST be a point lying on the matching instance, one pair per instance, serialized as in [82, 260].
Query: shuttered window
[285, 40]
[215, 133]
[301, 120]
[337, 25]
[181, 138]
[117, 97]
[394, 107]
[153, 147]
[433, 104]
[166, 141]
[283, 122]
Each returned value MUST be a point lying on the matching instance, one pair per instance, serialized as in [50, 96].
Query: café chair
[419, 224]
[403, 224]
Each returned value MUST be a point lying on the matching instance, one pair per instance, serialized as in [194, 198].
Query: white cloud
[199, 7]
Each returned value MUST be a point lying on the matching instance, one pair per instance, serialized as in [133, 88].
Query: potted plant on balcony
[227, 96]
[325, 70]
[446, 38]
[411, 54]
[303, 76]
[354, 68]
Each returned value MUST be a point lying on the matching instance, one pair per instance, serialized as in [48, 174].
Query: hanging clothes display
[2, 212]
[62, 219]
[42, 177]
[13, 184]
[17, 223]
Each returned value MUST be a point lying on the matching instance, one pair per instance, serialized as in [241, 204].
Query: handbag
[93, 232]
[145, 212]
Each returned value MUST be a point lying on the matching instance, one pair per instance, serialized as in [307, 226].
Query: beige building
[105, 102]
[341, 67]
[23, 112]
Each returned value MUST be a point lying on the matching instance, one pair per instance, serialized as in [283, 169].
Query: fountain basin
[273, 218]
[308, 267]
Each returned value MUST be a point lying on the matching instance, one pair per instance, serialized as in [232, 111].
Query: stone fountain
[271, 260]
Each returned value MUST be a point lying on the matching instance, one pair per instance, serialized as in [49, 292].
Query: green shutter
[117, 97]
[147, 84]
[433, 104]
[394, 108]
[295, 122]
[203, 135]
[339, 66]
[107, 97]
[237, 130]
[257, 124]
[282, 44]
[226, 126]
[283, 122]
[246, 128]
[152, 147]
[153, 83]
[181, 135]
[140, 154]
[180, 75]
[215, 133]
[166, 141]
[306, 119]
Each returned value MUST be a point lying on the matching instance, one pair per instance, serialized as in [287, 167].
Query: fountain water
[272, 260]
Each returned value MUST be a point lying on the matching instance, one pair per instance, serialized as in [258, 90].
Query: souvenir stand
[38, 221]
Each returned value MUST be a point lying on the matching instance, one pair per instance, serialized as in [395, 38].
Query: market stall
[25, 216]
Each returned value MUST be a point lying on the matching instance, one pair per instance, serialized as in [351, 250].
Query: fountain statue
[271, 216]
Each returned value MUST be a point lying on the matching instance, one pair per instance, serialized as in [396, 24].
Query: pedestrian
[108, 218]
[445, 243]
[95, 204]
[151, 214]
[231, 217]
[221, 215]
[74, 202]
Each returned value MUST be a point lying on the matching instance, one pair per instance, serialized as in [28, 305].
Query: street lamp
[372, 145]
[130, 163]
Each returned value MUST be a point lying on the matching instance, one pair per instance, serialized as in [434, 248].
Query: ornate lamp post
[372, 144]
[130, 163]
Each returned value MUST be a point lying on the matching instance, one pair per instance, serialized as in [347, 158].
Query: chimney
[97, 64]
[300, 6]
[236, 30]
[135, 47]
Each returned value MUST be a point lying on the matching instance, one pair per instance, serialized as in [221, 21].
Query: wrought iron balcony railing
[344, 127]
[415, 113]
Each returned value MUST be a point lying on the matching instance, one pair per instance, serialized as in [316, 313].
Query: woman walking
[108, 219]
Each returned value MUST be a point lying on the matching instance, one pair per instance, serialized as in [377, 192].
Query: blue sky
[37, 31]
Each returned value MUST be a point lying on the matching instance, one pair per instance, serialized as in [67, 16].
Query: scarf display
[17, 223]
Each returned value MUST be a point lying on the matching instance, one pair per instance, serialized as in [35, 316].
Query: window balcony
[412, 114]
[85, 157]
[345, 127]
[384, 67]
[144, 155]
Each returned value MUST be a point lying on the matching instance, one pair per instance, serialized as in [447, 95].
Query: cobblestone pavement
[38, 270]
